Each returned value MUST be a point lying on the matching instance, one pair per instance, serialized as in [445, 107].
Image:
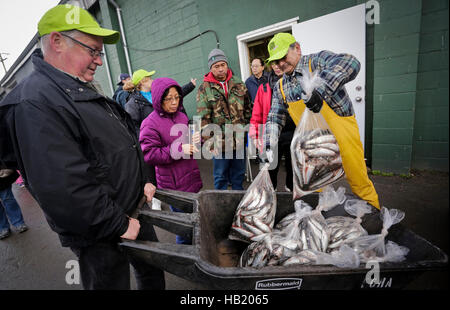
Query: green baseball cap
[65, 17]
[138, 75]
[279, 45]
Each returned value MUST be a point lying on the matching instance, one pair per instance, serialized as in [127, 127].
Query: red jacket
[261, 108]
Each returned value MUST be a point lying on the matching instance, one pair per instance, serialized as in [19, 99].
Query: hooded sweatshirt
[163, 150]
[209, 77]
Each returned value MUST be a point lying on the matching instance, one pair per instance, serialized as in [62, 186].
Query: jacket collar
[75, 88]
[139, 98]
[209, 77]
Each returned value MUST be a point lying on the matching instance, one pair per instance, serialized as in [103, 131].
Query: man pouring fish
[330, 99]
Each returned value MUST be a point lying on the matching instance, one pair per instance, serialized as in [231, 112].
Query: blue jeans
[229, 171]
[180, 239]
[9, 209]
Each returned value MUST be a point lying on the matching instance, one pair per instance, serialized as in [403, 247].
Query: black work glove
[315, 102]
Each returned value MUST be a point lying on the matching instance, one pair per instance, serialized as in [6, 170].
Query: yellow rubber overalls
[346, 131]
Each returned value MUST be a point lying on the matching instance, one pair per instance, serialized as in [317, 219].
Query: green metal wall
[152, 25]
[430, 140]
[395, 57]
[238, 17]
[407, 62]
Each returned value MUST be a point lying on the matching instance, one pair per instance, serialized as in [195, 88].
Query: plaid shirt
[334, 69]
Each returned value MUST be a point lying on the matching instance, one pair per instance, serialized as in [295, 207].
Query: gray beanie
[216, 55]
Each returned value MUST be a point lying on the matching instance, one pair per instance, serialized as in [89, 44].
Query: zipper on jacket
[121, 124]
[135, 143]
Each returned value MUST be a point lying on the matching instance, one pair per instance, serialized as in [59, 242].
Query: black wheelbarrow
[212, 259]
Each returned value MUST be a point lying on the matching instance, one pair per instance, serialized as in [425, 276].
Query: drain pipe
[108, 72]
[125, 46]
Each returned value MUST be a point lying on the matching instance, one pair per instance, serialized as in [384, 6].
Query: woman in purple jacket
[164, 141]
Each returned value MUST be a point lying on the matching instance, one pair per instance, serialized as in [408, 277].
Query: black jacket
[118, 90]
[139, 107]
[78, 153]
[7, 179]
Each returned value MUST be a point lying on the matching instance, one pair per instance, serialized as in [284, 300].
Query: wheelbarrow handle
[174, 258]
[174, 222]
[180, 200]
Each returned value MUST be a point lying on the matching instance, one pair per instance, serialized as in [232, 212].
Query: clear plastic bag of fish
[310, 225]
[315, 155]
[344, 229]
[271, 250]
[372, 246]
[344, 257]
[255, 214]
[328, 199]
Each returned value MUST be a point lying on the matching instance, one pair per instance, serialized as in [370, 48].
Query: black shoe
[5, 233]
[21, 228]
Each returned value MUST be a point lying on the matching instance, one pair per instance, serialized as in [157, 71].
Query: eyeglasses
[92, 51]
[169, 100]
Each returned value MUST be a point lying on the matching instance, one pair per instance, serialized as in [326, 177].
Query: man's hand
[133, 229]
[149, 191]
[315, 102]
[258, 144]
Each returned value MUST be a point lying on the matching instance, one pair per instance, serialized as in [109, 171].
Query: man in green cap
[329, 98]
[78, 152]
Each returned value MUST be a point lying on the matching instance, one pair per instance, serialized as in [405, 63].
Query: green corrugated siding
[430, 142]
[407, 62]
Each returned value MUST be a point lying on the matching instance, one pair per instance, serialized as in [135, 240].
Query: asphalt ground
[35, 260]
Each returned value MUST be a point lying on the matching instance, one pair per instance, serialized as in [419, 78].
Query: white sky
[18, 25]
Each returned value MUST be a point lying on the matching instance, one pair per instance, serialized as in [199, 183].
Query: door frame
[244, 38]
[355, 31]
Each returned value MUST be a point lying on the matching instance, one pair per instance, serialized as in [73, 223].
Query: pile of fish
[316, 161]
[306, 237]
[255, 214]
[272, 250]
[345, 229]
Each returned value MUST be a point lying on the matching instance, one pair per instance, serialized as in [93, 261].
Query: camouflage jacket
[230, 113]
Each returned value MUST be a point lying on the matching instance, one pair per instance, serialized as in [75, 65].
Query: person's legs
[288, 166]
[147, 276]
[4, 224]
[103, 266]
[274, 172]
[221, 173]
[180, 239]
[237, 173]
[12, 208]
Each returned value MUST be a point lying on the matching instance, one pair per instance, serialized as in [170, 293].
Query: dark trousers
[284, 148]
[104, 266]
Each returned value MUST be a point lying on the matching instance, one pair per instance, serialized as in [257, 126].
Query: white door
[340, 32]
